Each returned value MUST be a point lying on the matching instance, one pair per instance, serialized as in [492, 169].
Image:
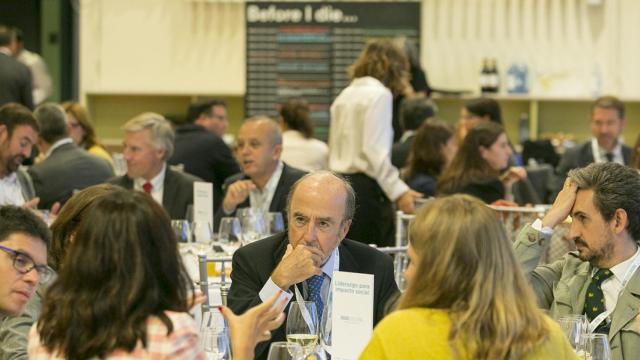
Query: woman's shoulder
[415, 317]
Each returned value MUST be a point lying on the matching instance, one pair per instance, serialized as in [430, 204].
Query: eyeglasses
[23, 263]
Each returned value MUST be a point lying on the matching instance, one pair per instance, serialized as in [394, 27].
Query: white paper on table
[203, 202]
[352, 314]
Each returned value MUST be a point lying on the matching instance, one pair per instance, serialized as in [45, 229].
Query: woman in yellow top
[81, 131]
[466, 298]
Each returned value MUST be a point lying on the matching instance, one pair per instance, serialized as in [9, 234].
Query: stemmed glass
[283, 350]
[254, 227]
[574, 328]
[594, 347]
[302, 326]
[275, 222]
[182, 229]
[325, 325]
[203, 235]
[215, 336]
[229, 233]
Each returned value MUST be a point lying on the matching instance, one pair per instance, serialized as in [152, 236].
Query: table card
[352, 314]
[203, 202]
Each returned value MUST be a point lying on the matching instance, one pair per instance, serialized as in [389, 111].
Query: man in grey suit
[148, 143]
[600, 279]
[15, 77]
[18, 134]
[66, 168]
[607, 122]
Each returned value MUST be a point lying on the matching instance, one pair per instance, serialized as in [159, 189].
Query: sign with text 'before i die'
[297, 49]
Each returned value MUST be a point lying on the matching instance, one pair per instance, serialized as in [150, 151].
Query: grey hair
[614, 187]
[350, 201]
[162, 134]
[275, 134]
[52, 121]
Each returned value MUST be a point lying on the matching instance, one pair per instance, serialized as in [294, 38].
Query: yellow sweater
[421, 333]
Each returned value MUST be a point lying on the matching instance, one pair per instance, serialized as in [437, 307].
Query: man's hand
[405, 201]
[253, 326]
[562, 205]
[236, 194]
[32, 204]
[297, 265]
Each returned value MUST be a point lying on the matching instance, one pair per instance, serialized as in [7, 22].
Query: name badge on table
[203, 202]
[352, 314]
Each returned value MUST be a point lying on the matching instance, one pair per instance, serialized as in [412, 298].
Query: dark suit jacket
[279, 201]
[254, 263]
[67, 169]
[206, 156]
[15, 82]
[177, 194]
[581, 156]
[400, 152]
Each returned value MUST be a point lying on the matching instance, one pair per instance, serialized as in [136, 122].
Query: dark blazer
[15, 82]
[177, 194]
[279, 201]
[400, 152]
[581, 156]
[67, 169]
[254, 263]
[204, 155]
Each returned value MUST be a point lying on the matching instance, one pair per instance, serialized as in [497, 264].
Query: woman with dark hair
[466, 297]
[299, 148]
[361, 137]
[126, 293]
[475, 112]
[432, 150]
[476, 168]
[82, 132]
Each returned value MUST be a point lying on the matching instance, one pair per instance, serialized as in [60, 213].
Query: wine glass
[215, 335]
[325, 325]
[254, 227]
[230, 231]
[594, 347]
[275, 222]
[203, 235]
[574, 328]
[302, 326]
[283, 350]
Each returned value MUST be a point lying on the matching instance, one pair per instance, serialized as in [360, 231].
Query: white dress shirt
[261, 199]
[600, 154]
[11, 190]
[41, 80]
[361, 134]
[302, 153]
[157, 185]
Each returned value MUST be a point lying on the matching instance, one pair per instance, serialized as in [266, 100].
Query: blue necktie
[315, 285]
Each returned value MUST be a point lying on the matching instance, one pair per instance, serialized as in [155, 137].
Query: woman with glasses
[122, 291]
[466, 296]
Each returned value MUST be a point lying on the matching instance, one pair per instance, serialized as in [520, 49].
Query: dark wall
[24, 14]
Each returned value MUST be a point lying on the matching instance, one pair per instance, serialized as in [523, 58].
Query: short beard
[597, 257]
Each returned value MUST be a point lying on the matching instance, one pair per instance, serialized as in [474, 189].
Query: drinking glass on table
[203, 235]
[302, 326]
[594, 347]
[283, 350]
[230, 231]
[275, 222]
[574, 328]
[252, 222]
[325, 326]
[214, 335]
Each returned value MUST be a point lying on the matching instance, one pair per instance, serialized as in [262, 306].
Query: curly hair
[384, 60]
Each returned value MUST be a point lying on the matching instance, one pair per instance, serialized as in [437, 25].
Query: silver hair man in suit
[147, 144]
[600, 279]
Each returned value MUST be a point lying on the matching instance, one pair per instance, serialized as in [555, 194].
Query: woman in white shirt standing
[360, 140]
[299, 148]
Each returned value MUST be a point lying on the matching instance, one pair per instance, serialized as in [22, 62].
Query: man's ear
[619, 221]
[346, 224]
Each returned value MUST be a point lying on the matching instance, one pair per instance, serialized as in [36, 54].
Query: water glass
[282, 350]
[275, 222]
[252, 222]
[574, 328]
[302, 326]
[594, 347]
[182, 229]
[214, 333]
[202, 235]
[230, 231]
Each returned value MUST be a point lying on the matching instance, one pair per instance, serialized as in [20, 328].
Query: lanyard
[593, 325]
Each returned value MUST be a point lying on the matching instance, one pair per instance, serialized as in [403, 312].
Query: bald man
[321, 206]
[265, 180]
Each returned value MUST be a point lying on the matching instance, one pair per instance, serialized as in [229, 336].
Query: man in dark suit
[200, 149]
[66, 168]
[413, 112]
[148, 142]
[320, 209]
[15, 77]
[607, 122]
[265, 180]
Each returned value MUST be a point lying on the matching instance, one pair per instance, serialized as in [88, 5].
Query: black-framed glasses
[23, 263]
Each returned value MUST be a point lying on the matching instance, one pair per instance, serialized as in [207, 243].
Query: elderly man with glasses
[24, 239]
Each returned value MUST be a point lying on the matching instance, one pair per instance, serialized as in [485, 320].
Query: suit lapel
[347, 262]
[278, 195]
[586, 155]
[168, 195]
[627, 307]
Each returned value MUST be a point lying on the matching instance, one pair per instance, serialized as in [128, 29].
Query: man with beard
[18, 134]
[600, 279]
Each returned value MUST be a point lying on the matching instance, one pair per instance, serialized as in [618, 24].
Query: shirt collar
[156, 182]
[620, 270]
[11, 178]
[57, 144]
[617, 150]
[328, 266]
[407, 134]
[274, 179]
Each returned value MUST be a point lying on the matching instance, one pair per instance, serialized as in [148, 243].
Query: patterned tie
[147, 187]
[594, 304]
[315, 285]
[609, 157]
